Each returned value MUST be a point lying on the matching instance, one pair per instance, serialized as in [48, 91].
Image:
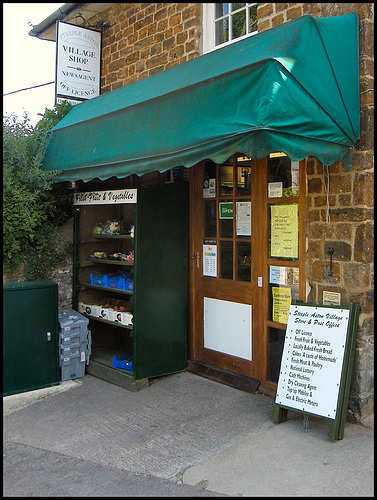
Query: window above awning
[293, 88]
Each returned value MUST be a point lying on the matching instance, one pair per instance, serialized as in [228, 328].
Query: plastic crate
[123, 362]
[129, 285]
[88, 347]
[117, 282]
[71, 322]
[71, 338]
[99, 280]
[121, 283]
[68, 350]
[72, 366]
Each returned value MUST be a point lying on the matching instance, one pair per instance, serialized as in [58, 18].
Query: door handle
[196, 258]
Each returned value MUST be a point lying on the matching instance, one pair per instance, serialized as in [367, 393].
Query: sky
[27, 60]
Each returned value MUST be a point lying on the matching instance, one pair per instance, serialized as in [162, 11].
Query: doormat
[226, 377]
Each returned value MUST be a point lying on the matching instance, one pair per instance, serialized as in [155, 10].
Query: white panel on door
[227, 327]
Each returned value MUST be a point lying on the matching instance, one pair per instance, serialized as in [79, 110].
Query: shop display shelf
[112, 323]
[94, 238]
[109, 261]
[108, 289]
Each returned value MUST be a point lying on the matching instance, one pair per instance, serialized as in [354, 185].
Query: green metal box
[30, 336]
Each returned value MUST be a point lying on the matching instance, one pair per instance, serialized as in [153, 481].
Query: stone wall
[61, 274]
[351, 206]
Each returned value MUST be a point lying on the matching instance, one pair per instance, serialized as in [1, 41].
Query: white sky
[27, 60]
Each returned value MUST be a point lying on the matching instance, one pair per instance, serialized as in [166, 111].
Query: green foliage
[52, 116]
[31, 208]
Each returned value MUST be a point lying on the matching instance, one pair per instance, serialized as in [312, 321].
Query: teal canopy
[293, 88]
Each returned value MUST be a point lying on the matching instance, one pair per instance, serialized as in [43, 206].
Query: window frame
[209, 34]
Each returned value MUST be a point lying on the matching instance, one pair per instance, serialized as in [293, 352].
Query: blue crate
[100, 279]
[117, 282]
[103, 279]
[121, 282]
[123, 362]
[129, 285]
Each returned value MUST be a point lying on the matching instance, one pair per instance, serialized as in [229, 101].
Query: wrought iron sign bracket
[100, 25]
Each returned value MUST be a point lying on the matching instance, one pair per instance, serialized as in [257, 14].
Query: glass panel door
[284, 252]
[247, 245]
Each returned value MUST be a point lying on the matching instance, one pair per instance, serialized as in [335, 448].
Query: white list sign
[312, 359]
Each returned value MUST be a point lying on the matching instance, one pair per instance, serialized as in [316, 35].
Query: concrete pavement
[182, 436]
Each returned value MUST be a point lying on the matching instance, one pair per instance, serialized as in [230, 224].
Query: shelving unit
[158, 338]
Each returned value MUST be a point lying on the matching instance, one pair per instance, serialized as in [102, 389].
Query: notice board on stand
[316, 365]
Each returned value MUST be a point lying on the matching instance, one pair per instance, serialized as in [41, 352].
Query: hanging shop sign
[105, 197]
[316, 364]
[78, 62]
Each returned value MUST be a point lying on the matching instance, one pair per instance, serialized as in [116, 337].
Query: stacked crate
[75, 344]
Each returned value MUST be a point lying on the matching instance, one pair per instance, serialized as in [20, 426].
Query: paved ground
[183, 436]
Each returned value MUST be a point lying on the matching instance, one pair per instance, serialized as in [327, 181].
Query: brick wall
[351, 201]
[147, 38]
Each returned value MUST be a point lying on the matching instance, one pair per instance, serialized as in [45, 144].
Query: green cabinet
[157, 339]
[30, 336]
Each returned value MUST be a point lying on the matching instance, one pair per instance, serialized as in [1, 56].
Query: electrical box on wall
[30, 336]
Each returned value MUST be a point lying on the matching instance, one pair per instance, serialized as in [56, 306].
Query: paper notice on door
[284, 231]
[209, 188]
[281, 302]
[243, 218]
[277, 275]
[275, 189]
[210, 260]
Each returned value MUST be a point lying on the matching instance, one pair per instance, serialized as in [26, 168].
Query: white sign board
[73, 102]
[312, 359]
[227, 327]
[105, 197]
[78, 62]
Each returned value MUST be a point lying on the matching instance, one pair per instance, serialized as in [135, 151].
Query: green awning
[293, 88]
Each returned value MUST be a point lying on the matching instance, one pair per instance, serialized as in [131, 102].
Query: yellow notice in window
[284, 231]
[281, 301]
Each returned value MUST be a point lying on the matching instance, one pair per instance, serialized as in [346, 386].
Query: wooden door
[234, 319]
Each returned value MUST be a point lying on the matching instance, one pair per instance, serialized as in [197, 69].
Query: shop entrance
[247, 252]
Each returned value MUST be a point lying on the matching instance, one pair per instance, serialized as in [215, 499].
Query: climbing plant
[32, 208]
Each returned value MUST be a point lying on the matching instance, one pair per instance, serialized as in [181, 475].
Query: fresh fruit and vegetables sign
[105, 197]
